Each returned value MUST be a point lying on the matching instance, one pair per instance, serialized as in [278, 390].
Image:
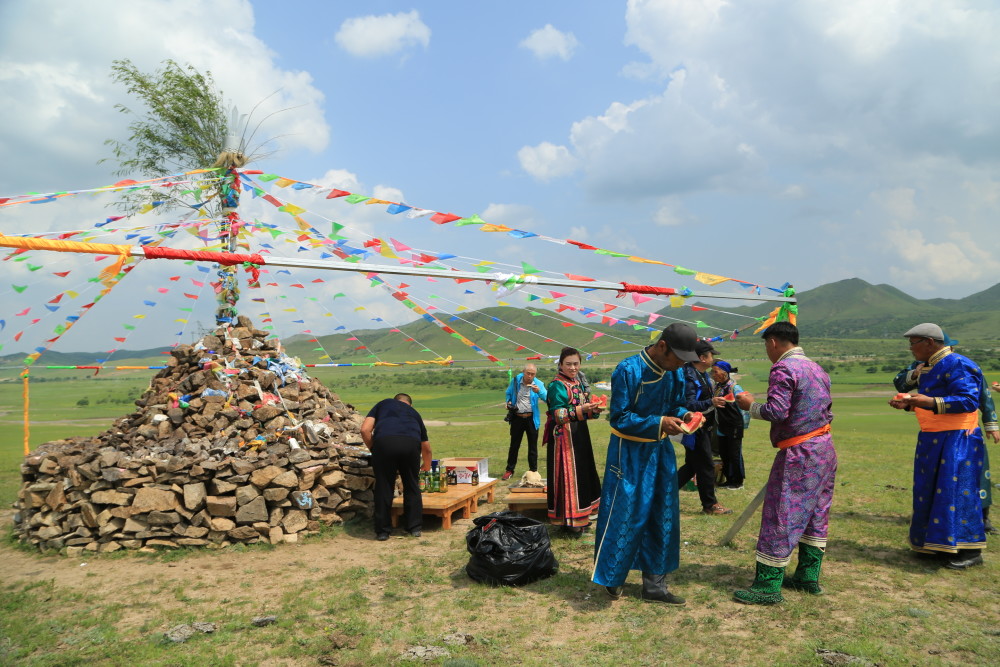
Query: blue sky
[770, 141]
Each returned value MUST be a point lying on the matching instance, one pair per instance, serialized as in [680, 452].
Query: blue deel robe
[947, 514]
[638, 525]
[906, 380]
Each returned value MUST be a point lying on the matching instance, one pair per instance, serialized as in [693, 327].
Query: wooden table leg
[467, 510]
[446, 520]
[394, 516]
[489, 497]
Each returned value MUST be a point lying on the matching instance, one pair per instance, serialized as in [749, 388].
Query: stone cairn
[231, 443]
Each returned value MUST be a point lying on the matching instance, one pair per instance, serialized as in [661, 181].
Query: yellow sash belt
[956, 421]
[799, 439]
[633, 438]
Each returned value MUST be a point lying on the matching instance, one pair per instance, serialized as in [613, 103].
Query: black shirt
[396, 418]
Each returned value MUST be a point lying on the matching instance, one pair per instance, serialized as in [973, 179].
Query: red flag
[442, 218]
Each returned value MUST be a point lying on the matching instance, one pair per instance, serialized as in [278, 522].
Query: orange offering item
[900, 397]
[697, 419]
[599, 401]
[729, 398]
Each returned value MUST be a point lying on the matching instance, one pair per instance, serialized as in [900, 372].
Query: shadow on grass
[902, 558]
[870, 517]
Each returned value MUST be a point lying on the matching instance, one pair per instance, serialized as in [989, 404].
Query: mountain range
[851, 308]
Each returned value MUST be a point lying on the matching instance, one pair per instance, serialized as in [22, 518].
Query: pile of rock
[231, 442]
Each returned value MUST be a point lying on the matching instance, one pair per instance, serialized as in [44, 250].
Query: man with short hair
[523, 395]
[638, 524]
[947, 519]
[698, 445]
[800, 487]
[397, 438]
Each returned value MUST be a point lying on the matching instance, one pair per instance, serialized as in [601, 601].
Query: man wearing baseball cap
[947, 521]
[698, 445]
[638, 524]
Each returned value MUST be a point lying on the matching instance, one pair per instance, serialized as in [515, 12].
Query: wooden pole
[757, 501]
[27, 422]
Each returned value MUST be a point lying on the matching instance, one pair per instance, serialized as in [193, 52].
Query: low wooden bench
[527, 500]
[463, 497]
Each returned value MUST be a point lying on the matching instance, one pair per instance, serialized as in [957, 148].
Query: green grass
[881, 606]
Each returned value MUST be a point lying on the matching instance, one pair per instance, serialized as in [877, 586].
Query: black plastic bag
[509, 549]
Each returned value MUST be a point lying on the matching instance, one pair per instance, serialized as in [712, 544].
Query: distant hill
[854, 308]
[851, 308]
[151, 357]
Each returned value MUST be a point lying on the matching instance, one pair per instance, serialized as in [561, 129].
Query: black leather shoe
[615, 592]
[666, 597]
[415, 533]
[990, 530]
[964, 562]
[382, 537]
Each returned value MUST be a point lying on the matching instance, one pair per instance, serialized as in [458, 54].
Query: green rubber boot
[766, 587]
[806, 577]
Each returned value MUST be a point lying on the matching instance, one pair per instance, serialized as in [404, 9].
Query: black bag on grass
[509, 549]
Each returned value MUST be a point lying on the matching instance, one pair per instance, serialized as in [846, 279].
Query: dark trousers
[731, 453]
[394, 455]
[520, 426]
[698, 461]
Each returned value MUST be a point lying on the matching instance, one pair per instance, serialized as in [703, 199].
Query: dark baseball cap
[682, 339]
[704, 346]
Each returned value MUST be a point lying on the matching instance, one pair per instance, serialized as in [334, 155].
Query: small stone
[275, 494]
[255, 510]
[246, 493]
[179, 633]
[288, 480]
[221, 505]
[110, 498]
[262, 477]
[148, 499]
[294, 521]
[222, 524]
[243, 533]
[194, 496]
[261, 621]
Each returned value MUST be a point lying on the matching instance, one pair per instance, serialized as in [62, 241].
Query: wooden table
[527, 500]
[463, 497]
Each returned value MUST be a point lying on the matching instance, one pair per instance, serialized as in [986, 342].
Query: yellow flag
[709, 279]
[677, 301]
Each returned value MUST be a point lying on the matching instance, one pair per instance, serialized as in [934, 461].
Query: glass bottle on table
[475, 476]
[444, 481]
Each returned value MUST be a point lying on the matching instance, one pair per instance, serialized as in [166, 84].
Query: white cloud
[897, 203]
[671, 214]
[950, 259]
[58, 104]
[794, 192]
[374, 36]
[789, 112]
[547, 161]
[517, 216]
[548, 42]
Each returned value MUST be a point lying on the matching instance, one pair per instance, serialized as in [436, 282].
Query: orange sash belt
[956, 421]
[799, 439]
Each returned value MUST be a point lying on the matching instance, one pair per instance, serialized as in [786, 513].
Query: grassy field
[343, 599]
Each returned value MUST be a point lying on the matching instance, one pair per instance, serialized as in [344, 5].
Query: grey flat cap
[925, 330]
